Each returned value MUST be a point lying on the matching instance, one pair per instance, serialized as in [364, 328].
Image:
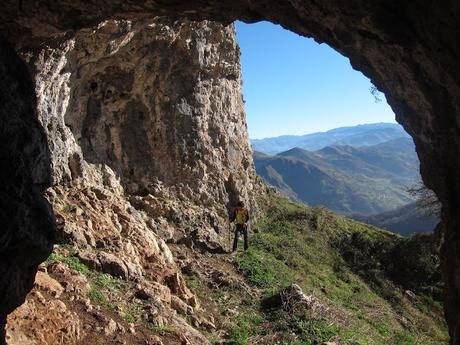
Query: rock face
[148, 142]
[154, 102]
[27, 222]
[149, 107]
[409, 49]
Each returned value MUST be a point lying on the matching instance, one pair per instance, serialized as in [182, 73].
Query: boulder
[45, 283]
[293, 299]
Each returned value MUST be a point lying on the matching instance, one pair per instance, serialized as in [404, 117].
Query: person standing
[241, 218]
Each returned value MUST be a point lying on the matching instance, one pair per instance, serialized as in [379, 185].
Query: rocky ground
[112, 279]
[117, 273]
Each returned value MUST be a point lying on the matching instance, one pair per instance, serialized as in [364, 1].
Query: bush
[414, 264]
[366, 256]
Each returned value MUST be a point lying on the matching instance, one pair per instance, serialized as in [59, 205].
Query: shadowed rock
[27, 232]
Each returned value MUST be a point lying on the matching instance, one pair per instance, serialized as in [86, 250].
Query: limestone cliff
[146, 107]
[148, 141]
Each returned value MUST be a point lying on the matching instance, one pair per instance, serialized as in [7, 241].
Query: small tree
[426, 200]
[376, 93]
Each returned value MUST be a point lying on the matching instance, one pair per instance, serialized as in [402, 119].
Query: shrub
[414, 264]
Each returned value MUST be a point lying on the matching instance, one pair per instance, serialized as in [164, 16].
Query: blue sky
[293, 85]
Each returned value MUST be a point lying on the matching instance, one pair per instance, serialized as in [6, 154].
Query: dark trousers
[241, 228]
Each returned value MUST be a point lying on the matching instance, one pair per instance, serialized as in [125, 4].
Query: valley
[365, 182]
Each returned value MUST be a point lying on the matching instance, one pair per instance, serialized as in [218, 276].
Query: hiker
[241, 218]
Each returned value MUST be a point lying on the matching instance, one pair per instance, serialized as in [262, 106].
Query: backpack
[241, 215]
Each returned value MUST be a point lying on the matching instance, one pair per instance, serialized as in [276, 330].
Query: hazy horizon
[326, 130]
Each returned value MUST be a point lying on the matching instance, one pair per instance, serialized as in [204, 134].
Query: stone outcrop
[409, 50]
[48, 318]
[123, 251]
[153, 108]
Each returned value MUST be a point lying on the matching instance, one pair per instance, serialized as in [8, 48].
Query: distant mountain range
[406, 220]
[358, 136]
[350, 180]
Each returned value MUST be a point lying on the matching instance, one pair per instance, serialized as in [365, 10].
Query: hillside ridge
[405, 220]
[360, 135]
[350, 180]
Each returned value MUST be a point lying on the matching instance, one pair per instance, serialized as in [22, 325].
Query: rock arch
[409, 50]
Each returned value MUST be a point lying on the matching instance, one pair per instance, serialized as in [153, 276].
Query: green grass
[132, 313]
[161, 330]
[245, 326]
[108, 282]
[70, 261]
[239, 335]
[262, 270]
[130, 318]
[68, 208]
[101, 284]
[98, 296]
[311, 331]
[193, 283]
[349, 266]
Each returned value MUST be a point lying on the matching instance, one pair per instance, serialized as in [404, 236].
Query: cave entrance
[409, 49]
[324, 135]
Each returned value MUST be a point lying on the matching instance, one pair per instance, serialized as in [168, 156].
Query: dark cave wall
[409, 50]
[26, 238]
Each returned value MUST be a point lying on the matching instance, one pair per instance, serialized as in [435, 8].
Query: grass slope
[358, 273]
